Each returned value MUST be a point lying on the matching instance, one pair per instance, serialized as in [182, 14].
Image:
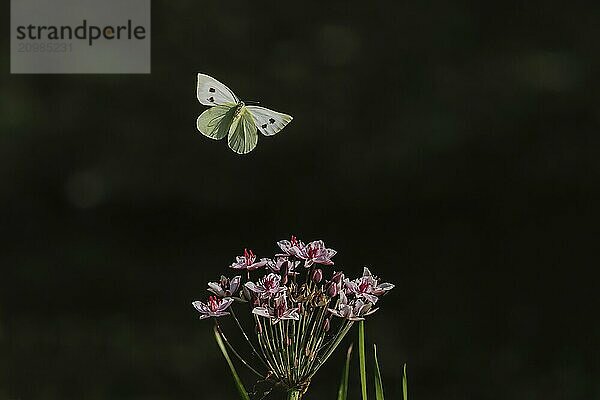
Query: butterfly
[231, 117]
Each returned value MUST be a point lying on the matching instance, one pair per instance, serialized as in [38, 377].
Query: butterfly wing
[216, 121]
[242, 134]
[268, 121]
[211, 92]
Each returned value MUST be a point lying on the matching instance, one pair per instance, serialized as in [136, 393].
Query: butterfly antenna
[252, 103]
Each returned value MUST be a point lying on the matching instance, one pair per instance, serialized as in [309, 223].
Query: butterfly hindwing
[269, 122]
[216, 121]
[242, 136]
[211, 92]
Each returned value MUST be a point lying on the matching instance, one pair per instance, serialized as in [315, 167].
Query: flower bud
[326, 325]
[224, 281]
[332, 289]
[338, 277]
[284, 269]
[317, 275]
[245, 294]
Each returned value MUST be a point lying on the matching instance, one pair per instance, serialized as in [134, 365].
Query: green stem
[247, 338]
[294, 395]
[361, 359]
[220, 331]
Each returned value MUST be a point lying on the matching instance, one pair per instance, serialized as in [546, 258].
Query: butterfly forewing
[211, 92]
[268, 121]
[242, 135]
[216, 121]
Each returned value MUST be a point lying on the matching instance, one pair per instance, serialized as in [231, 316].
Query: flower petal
[225, 304]
[334, 312]
[291, 314]
[257, 265]
[219, 313]
[317, 244]
[371, 311]
[369, 297]
[323, 260]
[386, 286]
[234, 285]
[285, 246]
[215, 288]
[262, 311]
[201, 307]
[252, 286]
[356, 318]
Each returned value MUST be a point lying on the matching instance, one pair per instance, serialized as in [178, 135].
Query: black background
[450, 146]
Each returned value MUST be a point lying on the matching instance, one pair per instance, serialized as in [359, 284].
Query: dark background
[451, 146]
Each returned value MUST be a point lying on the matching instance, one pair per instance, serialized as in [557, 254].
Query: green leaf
[404, 384]
[378, 382]
[238, 383]
[343, 390]
[361, 359]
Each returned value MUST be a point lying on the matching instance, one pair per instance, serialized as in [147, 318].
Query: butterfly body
[231, 117]
[238, 109]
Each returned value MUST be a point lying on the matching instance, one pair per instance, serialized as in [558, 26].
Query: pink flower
[225, 287]
[248, 261]
[214, 307]
[316, 252]
[355, 310]
[279, 312]
[283, 265]
[291, 247]
[368, 287]
[313, 253]
[267, 286]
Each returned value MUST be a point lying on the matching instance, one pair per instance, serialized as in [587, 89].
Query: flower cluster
[293, 307]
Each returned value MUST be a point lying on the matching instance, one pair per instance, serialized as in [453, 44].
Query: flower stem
[294, 394]
[361, 359]
[247, 338]
[220, 331]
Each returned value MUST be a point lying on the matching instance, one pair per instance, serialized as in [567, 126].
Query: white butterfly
[230, 117]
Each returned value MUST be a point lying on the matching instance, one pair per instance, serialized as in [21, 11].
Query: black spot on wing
[212, 90]
[264, 126]
[271, 121]
[211, 99]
